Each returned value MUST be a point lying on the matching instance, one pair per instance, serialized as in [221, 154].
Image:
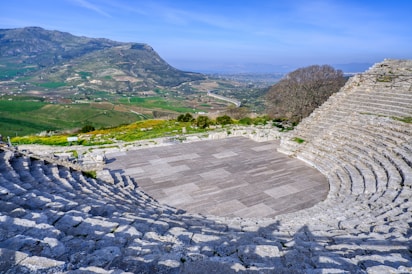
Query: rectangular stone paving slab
[228, 177]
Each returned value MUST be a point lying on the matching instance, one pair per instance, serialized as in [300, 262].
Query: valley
[55, 81]
[26, 111]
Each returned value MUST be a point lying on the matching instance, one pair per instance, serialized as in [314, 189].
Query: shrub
[90, 174]
[87, 128]
[224, 120]
[185, 117]
[298, 140]
[261, 120]
[246, 121]
[202, 121]
[75, 153]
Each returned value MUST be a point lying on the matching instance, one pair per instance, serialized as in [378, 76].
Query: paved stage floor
[227, 177]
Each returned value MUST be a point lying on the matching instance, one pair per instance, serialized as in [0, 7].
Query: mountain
[38, 60]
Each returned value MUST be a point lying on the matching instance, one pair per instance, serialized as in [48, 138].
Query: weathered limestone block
[18, 213]
[141, 247]
[16, 225]
[260, 255]
[68, 222]
[7, 207]
[183, 235]
[104, 256]
[224, 248]
[96, 270]
[204, 238]
[53, 248]
[159, 226]
[9, 258]
[43, 230]
[37, 264]
[94, 228]
[4, 191]
[218, 266]
[76, 245]
[127, 232]
[103, 210]
[378, 269]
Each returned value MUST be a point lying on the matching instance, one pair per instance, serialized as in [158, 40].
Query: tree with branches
[300, 92]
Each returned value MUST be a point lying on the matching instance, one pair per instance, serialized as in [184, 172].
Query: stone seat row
[395, 168]
[401, 97]
[366, 159]
[372, 100]
[376, 108]
[59, 183]
[351, 136]
[69, 179]
[152, 232]
[92, 228]
[344, 204]
[348, 134]
[322, 124]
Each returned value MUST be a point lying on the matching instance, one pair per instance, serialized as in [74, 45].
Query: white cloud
[87, 5]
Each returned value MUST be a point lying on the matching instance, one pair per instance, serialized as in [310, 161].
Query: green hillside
[20, 118]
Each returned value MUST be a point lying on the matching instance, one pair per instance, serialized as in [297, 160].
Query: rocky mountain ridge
[53, 59]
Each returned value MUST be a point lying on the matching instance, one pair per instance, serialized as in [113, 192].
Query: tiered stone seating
[367, 149]
[54, 219]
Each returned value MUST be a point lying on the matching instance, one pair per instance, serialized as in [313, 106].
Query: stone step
[383, 97]
[375, 109]
[364, 99]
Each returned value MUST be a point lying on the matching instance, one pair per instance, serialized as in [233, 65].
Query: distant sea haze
[208, 68]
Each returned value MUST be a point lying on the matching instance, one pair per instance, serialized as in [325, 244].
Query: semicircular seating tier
[56, 219]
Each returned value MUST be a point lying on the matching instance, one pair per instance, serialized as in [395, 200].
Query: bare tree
[302, 91]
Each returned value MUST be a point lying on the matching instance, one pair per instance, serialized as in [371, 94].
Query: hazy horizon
[220, 36]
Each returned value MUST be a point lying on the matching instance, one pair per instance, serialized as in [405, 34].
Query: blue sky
[243, 35]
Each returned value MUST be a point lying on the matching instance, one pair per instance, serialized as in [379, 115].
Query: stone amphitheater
[54, 219]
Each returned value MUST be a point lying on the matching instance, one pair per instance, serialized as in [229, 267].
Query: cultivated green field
[52, 85]
[19, 118]
[9, 71]
[157, 103]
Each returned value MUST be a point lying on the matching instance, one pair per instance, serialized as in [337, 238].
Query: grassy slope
[157, 103]
[23, 118]
[140, 130]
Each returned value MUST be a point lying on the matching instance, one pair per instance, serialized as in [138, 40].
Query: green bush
[202, 121]
[87, 128]
[262, 120]
[75, 153]
[224, 120]
[90, 174]
[298, 140]
[185, 117]
[246, 121]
